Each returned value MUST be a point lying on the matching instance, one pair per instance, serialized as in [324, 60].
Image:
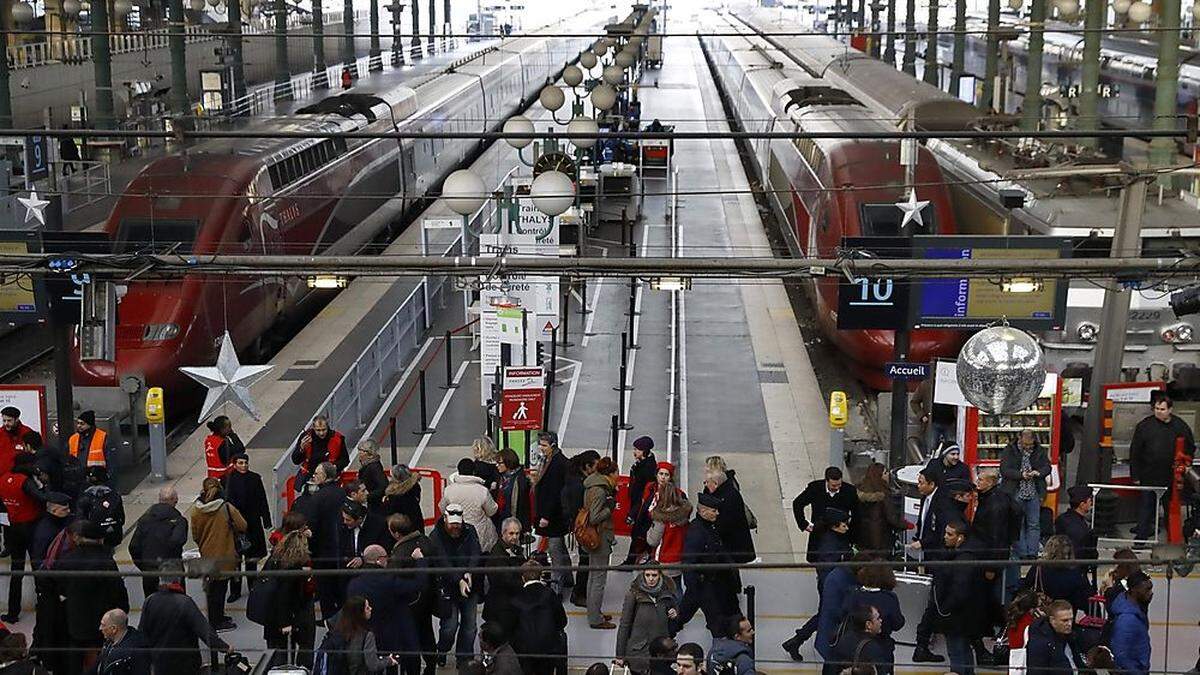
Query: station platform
[747, 390]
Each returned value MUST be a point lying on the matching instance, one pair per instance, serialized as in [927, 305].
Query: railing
[88, 183]
[78, 48]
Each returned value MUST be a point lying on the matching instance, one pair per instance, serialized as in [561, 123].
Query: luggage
[287, 669]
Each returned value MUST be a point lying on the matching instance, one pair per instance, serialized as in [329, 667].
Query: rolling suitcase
[286, 668]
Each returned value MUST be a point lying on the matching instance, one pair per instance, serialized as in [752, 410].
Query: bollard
[566, 315]
[424, 429]
[633, 311]
[450, 384]
[583, 307]
[621, 400]
[750, 608]
[613, 438]
[392, 433]
[622, 384]
[553, 358]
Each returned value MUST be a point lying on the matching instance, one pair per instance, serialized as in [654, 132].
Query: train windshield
[883, 220]
[145, 235]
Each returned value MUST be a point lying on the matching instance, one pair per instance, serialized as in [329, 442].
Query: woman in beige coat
[215, 526]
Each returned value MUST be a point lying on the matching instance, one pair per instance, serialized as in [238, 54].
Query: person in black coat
[372, 475]
[50, 539]
[390, 596]
[1073, 523]
[552, 522]
[819, 495]
[160, 535]
[1057, 581]
[402, 496]
[1152, 459]
[946, 464]
[504, 583]
[642, 473]
[321, 505]
[862, 642]
[174, 627]
[733, 523]
[543, 624]
[358, 530]
[1024, 466]
[580, 467]
[410, 539]
[1053, 648]
[877, 588]
[244, 490]
[514, 492]
[828, 543]
[88, 598]
[955, 591]
[713, 591]
[124, 649]
[995, 529]
[458, 546]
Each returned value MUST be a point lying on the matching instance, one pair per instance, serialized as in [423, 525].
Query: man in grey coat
[1024, 465]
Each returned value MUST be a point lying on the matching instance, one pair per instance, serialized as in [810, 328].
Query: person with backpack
[580, 467]
[216, 526]
[349, 646]
[173, 625]
[733, 654]
[599, 502]
[103, 506]
[159, 536]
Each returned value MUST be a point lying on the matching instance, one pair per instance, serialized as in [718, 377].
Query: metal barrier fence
[88, 183]
[78, 48]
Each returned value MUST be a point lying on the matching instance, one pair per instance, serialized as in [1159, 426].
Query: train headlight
[1088, 331]
[158, 332]
[1180, 333]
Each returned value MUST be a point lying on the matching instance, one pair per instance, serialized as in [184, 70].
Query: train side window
[276, 177]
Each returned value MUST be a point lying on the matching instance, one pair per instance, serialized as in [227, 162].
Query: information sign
[900, 370]
[873, 302]
[523, 399]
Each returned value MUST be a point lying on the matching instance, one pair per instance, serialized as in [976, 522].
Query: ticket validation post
[156, 416]
[839, 414]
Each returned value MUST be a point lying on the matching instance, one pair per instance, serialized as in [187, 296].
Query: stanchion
[553, 357]
[424, 429]
[613, 438]
[622, 384]
[450, 384]
[750, 608]
[392, 433]
[565, 322]
[633, 311]
[583, 306]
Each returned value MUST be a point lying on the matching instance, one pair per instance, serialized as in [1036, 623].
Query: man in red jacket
[12, 437]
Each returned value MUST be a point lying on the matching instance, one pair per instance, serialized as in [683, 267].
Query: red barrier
[620, 528]
[349, 476]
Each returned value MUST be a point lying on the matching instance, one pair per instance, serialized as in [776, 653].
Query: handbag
[260, 603]
[586, 534]
[241, 542]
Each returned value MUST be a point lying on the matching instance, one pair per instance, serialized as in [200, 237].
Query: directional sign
[900, 370]
[522, 399]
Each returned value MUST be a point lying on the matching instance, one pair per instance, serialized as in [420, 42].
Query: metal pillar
[6, 119]
[446, 21]
[958, 58]
[283, 69]
[1089, 84]
[1095, 463]
[432, 26]
[1031, 107]
[178, 49]
[416, 29]
[105, 117]
[992, 63]
[348, 57]
[889, 50]
[375, 63]
[875, 7]
[237, 69]
[320, 77]
[396, 9]
[1163, 150]
[910, 37]
[932, 69]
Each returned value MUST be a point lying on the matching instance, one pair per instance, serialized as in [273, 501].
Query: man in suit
[820, 495]
[928, 541]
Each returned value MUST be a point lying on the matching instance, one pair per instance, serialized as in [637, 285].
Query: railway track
[21, 347]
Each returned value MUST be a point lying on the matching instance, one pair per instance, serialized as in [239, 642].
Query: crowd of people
[363, 582]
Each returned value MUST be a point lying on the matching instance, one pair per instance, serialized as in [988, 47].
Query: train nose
[95, 373]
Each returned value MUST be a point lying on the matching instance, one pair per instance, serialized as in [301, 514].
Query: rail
[78, 48]
[86, 184]
[364, 385]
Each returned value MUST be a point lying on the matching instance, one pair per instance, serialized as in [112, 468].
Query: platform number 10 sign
[873, 301]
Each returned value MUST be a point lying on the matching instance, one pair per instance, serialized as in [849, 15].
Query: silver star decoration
[228, 381]
[912, 209]
[35, 207]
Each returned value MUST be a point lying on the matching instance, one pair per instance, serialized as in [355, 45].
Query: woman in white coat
[469, 490]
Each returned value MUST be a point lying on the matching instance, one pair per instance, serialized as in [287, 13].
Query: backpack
[586, 534]
[108, 512]
[332, 656]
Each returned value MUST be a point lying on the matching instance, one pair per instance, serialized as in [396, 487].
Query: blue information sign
[899, 370]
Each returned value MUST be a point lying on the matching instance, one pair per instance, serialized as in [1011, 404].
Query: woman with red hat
[667, 511]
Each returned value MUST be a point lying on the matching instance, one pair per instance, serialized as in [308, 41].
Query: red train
[329, 195]
[827, 189]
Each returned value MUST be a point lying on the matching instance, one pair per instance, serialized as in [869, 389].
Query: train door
[408, 173]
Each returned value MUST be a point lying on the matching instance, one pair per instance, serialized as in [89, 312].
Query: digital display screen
[979, 301]
[17, 292]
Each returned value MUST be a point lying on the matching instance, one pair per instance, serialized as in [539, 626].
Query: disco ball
[1001, 370]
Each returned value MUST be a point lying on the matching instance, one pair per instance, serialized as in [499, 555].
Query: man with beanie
[946, 464]
[713, 591]
[641, 474]
[89, 445]
[103, 506]
[24, 499]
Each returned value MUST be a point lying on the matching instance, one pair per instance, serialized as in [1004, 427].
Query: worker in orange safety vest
[92, 441]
